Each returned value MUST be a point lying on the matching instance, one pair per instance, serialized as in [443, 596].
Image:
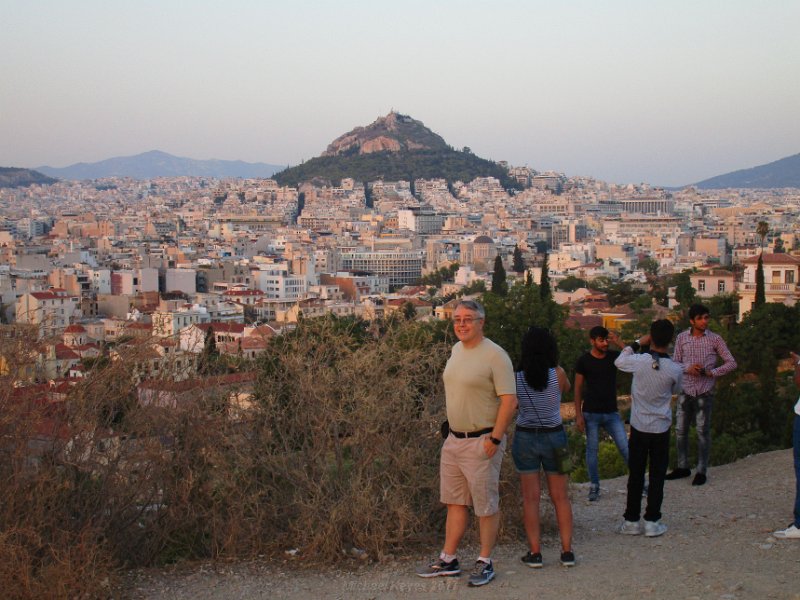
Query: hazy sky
[666, 92]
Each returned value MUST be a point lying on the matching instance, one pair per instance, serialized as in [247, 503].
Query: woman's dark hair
[539, 355]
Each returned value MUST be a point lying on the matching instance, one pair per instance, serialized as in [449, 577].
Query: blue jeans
[612, 423]
[697, 409]
[796, 444]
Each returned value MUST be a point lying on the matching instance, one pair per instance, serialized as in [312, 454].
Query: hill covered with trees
[13, 177]
[395, 147]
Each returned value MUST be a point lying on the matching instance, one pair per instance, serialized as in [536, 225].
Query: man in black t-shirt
[596, 401]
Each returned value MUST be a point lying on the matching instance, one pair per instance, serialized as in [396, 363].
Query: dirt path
[718, 546]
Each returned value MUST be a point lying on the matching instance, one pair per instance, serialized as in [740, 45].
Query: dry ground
[718, 546]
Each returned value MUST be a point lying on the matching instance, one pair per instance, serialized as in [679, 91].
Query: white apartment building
[781, 281]
[279, 283]
[422, 220]
[134, 281]
[170, 319]
[52, 311]
[181, 280]
[101, 280]
[400, 267]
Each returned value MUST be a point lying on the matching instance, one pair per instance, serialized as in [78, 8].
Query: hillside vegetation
[336, 448]
[11, 177]
[451, 165]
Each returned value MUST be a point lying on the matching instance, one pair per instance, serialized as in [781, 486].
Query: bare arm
[508, 405]
[579, 422]
[563, 380]
[796, 360]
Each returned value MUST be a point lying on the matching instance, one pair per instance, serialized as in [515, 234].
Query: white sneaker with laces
[631, 528]
[790, 533]
[654, 528]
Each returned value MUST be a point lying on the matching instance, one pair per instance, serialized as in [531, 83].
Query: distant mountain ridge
[394, 147]
[160, 164]
[12, 177]
[781, 173]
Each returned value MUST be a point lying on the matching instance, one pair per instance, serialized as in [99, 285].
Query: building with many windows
[400, 267]
[781, 281]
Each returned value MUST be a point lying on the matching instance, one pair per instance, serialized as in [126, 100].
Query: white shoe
[631, 528]
[654, 528]
[791, 532]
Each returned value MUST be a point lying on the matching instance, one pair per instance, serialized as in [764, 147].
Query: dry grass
[339, 450]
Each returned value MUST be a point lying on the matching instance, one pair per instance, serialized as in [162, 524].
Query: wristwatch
[494, 440]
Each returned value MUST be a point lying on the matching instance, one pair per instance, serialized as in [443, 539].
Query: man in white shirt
[655, 379]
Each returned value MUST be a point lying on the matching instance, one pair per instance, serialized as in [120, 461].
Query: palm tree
[762, 229]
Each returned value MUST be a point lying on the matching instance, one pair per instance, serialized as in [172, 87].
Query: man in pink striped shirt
[699, 350]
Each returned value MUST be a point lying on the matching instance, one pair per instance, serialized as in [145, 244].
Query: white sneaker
[654, 528]
[631, 528]
[791, 532]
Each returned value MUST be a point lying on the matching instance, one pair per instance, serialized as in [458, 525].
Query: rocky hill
[392, 133]
[392, 148]
[782, 173]
[160, 164]
[13, 177]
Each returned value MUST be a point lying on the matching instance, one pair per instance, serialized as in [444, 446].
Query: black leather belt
[540, 429]
[472, 434]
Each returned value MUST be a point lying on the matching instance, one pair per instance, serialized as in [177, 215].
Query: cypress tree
[499, 284]
[761, 297]
[544, 283]
[518, 264]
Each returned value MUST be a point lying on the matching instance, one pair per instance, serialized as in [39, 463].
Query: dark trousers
[643, 448]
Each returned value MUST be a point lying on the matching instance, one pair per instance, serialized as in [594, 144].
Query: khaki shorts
[468, 476]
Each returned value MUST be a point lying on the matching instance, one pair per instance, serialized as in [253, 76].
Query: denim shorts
[534, 451]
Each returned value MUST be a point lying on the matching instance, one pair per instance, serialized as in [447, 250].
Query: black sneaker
[678, 474]
[568, 559]
[533, 560]
[699, 479]
[482, 574]
[440, 568]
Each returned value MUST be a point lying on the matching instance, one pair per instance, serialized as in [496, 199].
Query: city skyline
[667, 94]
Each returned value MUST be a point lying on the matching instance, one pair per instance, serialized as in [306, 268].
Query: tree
[762, 229]
[571, 283]
[622, 292]
[499, 283]
[408, 310]
[518, 263]
[208, 361]
[641, 303]
[779, 247]
[761, 296]
[649, 265]
[544, 282]
[509, 317]
[684, 292]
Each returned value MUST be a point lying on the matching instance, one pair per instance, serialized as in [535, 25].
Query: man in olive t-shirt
[480, 393]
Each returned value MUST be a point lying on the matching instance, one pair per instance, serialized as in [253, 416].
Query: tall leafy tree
[509, 317]
[684, 292]
[499, 283]
[761, 296]
[571, 283]
[544, 283]
[208, 361]
[518, 263]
